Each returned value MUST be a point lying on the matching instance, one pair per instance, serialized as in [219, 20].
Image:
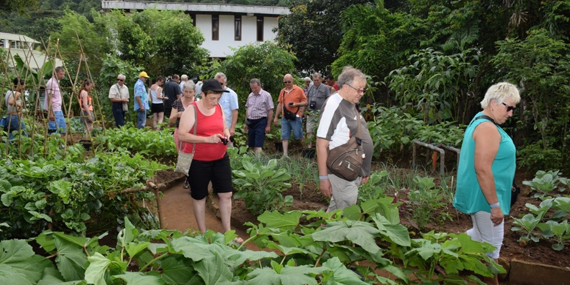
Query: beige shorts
[311, 122]
[344, 193]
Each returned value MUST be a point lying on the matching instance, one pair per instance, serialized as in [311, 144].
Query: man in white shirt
[119, 96]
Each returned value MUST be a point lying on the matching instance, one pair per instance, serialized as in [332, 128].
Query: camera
[291, 103]
[225, 140]
[313, 105]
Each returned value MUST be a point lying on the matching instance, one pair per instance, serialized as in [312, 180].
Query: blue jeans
[141, 119]
[59, 124]
[119, 114]
[256, 132]
[13, 124]
[288, 125]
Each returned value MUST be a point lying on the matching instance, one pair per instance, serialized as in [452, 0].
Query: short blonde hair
[501, 92]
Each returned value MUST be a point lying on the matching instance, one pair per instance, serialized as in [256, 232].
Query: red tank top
[207, 126]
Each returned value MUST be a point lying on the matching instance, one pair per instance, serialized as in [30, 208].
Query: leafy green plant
[142, 141]
[546, 182]
[560, 231]
[424, 199]
[527, 225]
[322, 250]
[261, 186]
[374, 188]
[74, 195]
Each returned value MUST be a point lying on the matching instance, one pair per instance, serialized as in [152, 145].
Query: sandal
[186, 185]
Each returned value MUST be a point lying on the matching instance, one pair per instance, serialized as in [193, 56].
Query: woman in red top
[211, 162]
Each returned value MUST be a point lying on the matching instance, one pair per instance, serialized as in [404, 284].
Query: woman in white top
[157, 107]
[13, 102]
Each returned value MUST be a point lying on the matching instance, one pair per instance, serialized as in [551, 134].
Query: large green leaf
[9, 276]
[290, 275]
[213, 270]
[127, 234]
[179, 270]
[62, 188]
[95, 273]
[71, 259]
[341, 274]
[396, 233]
[138, 278]
[288, 220]
[52, 277]
[360, 233]
[17, 260]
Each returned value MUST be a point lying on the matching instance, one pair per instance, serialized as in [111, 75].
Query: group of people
[206, 128]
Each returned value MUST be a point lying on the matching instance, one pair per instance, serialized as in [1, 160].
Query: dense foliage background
[432, 59]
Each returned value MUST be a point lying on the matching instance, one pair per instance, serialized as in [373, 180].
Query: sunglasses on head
[509, 108]
[285, 82]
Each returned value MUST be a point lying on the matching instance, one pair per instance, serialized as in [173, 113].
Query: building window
[215, 27]
[259, 28]
[237, 27]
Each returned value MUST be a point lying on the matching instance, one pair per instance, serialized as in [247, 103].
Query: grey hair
[500, 92]
[189, 85]
[184, 76]
[221, 75]
[122, 76]
[256, 81]
[348, 74]
[316, 74]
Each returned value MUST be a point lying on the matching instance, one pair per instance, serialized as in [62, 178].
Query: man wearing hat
[141, 100]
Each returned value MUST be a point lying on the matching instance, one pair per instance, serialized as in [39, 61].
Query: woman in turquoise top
[487, 167]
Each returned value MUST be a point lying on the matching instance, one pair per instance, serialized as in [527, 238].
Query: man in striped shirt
[259, 106]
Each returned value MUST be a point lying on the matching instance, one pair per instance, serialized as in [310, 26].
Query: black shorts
[219, 172]
[157, 108]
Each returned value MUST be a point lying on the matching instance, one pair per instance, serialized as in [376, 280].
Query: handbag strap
[285, 107]
[359, 131]
[485, 117]
[195, 126]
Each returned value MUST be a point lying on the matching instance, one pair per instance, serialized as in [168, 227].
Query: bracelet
[495, 205]
[323, 177]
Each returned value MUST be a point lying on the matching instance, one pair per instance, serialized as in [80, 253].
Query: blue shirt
[469, 198]
[229, 102]
[140, 91]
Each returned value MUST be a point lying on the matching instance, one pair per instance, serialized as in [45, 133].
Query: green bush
[261, 185]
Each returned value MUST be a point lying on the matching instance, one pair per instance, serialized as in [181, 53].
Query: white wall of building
[226, 38]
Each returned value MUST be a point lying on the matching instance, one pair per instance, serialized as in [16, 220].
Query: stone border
[530, 273]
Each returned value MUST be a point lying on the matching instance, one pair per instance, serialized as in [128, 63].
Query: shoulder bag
[288, 114]
[185, 159]
[515, 190]
[345, 161]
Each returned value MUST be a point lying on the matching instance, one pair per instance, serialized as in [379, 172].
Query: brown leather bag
[345, 161]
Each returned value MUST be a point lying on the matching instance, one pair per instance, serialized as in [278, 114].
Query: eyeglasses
[286, 82]
[509, 108]
[120, 80]
[361, 90]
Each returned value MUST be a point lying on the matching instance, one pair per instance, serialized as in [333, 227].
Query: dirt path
[177, 213]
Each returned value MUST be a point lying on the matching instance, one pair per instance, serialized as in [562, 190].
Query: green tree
[541, 65]
[174, 42]
[78, 34]
[19, 6]
[267, 62]
[313, 32]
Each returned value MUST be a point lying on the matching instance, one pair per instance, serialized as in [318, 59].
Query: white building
[25, 48]
[223, 26]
